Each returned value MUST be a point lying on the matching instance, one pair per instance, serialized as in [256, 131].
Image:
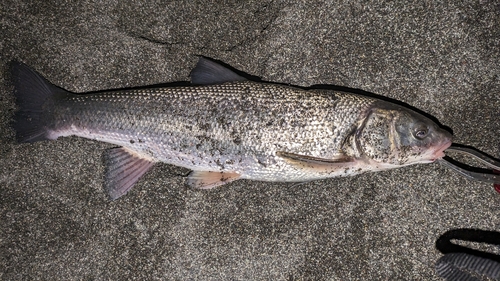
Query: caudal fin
[35, 98]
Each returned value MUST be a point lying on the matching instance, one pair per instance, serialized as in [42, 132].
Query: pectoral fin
[316, 163]
[124, 168]
[208, 180]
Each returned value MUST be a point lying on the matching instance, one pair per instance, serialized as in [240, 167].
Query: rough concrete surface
[57, 224]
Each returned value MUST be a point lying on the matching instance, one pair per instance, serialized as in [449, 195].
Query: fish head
[396, 136]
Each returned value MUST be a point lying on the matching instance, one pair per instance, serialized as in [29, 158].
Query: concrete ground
[57, 224]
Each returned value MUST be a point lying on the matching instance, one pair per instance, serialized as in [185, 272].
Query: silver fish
[225, 127]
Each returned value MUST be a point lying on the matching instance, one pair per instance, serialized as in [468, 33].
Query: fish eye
[421, 133]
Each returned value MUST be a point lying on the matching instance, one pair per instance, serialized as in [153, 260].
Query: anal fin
[124, 168]
[208, 180]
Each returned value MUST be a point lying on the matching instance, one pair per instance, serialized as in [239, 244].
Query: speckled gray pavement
[57, 224]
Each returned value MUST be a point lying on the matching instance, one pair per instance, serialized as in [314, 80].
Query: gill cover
[375, 138]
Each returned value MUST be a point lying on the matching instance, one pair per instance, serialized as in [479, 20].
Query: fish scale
[236, 120]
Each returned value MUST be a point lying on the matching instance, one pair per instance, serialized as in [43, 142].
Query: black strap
[465, 267]
[465, 264]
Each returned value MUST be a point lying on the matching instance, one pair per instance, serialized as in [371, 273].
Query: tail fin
[35, 97]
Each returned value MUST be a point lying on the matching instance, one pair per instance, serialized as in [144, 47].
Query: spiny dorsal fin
[208, 180]
[208, 72]
[124, 168]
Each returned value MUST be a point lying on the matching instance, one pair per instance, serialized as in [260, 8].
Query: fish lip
[439, 152]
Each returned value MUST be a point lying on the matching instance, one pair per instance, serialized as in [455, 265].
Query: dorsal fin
[208, 72]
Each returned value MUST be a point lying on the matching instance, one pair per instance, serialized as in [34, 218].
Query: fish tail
[35, 99]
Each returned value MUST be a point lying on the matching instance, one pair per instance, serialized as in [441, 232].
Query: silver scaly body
[235, 126]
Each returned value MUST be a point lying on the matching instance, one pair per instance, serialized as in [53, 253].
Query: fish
[225, 127]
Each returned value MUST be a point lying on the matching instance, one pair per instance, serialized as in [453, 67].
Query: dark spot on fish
[221, 120]
[219, 164]
[236, 137]
[270, 123]
[198, 145]
[150, 153]
[132, 141]
[281, 122]
[229, 162]
[204, 126]
[141, 141]
[202, 138]
[222, 178]
[189, 127]
[261, 163]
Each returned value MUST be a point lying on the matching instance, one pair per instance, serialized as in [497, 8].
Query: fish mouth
[439, 152]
